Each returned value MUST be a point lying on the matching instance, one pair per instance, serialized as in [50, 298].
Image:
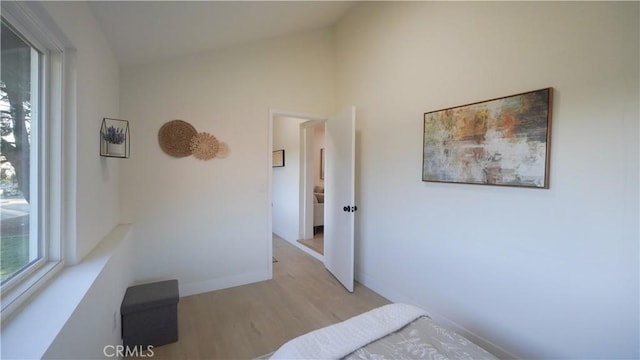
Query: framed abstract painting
[503, 141]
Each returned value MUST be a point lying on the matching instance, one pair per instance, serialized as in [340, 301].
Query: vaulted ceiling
[146, 31]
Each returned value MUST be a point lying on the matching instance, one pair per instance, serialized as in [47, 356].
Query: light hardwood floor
[251, 320]
[316, 244]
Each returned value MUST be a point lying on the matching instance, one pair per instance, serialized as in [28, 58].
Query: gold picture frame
[278, 158]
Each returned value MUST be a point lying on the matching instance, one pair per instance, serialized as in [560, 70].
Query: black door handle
[350, 208]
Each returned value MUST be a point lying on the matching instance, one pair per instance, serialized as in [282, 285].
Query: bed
[394, 331]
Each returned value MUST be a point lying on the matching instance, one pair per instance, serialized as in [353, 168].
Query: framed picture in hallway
[503, 141]
[278, 158]
[322, 164]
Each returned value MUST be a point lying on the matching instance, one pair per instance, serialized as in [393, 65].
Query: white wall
[97, 79]
[96, 322]
[286, 180]
[541, 273]
[205, 222]
[71, 317]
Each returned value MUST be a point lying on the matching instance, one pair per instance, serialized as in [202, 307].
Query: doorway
[312, 135]
[339, 226]
[297, 212]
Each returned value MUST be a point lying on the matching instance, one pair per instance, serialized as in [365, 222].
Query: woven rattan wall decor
[175, 138]
[204, 146]
[223, 150]
[178, 138]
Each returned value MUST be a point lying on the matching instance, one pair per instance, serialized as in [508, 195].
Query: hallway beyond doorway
[316, 244]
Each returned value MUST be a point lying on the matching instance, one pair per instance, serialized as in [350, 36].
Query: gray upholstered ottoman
[150, 314]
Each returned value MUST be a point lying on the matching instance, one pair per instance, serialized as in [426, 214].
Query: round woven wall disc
[223, 150]
[175, 138]
[204, 146]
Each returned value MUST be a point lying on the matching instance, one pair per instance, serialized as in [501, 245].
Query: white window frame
[54, 149]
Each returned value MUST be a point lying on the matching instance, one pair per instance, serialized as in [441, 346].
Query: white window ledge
[33, 328]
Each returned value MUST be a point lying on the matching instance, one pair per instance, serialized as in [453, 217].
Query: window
[31, 148]
[20, 86]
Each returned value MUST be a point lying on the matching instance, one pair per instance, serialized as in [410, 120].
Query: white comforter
[341, 339]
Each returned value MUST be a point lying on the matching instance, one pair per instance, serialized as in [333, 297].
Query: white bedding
[341, 339]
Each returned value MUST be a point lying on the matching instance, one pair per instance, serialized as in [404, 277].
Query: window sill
[32, 329]
[20, 293]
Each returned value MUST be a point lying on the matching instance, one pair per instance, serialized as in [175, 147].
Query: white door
[340, 196]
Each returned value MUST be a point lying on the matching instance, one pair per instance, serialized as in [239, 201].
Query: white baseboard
[395, 296]
[200, 287]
